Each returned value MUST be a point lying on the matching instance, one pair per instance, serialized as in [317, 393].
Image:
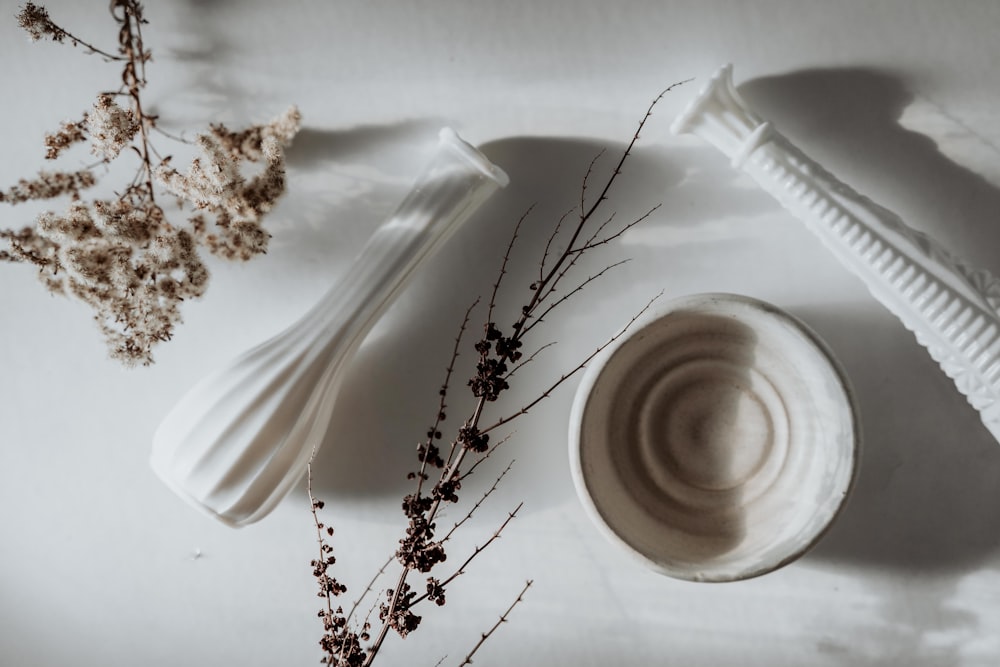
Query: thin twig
[586, 180]
[443, 395]
[607, 239]
[550, 241]
[505, 261]
[586, 215]
[545, 394]
[314, 506]
[369, 588]
[472, 556]
[503, 619]
[527, 360]
[421, 549]
[34, 18]
[552, 306]
[482, 499]
[484, 457]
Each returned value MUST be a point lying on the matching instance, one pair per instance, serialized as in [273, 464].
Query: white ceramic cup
[717, 440]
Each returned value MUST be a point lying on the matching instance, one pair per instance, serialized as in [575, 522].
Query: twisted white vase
[239, 441]
[953, 310]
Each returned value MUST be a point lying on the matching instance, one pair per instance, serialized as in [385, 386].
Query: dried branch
[122, 256]
[586, 180]
[576, 369]
[422, 549]
[482, 498]
[538, 319]
[36, 21]
[505, 261]
[472, 556]
[595, 242]
[429, 452]
[484, 457]
[340, 640]
[49, 185]
[527, 360]
[369, 589]
[501, 621]
[548, 246]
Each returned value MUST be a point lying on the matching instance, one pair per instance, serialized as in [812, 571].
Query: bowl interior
[718, 441]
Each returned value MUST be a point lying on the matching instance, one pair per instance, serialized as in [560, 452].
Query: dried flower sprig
[443, 469]
[121, 255]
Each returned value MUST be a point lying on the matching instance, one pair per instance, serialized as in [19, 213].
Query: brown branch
[552, 306]
[369, 588]
[482, 498]
[586, 215]
[314, 506]
[475, 552]
[607, 239]
[443, 394]
[545, 394]
[482, 459]
[420, 551]
[586, 179]
[35, 19]
[503, 619]
[134, 79]
[551, 284]
[528, 359]
[549, 242]
[506, 260]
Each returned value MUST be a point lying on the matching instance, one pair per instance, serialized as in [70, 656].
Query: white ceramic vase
[238, 442]
[951, 308]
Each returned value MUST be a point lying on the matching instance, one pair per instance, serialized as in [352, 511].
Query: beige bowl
[717, 441]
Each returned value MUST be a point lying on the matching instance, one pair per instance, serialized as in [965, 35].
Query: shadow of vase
[852, 121]
[926, 498]
[390, 395]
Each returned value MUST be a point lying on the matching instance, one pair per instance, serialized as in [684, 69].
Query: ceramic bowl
[717, 441]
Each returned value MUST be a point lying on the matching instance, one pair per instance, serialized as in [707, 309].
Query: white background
[101, 565]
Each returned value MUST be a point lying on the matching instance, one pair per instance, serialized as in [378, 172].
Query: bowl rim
[594, 370]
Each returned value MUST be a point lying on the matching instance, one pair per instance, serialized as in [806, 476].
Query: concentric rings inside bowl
[718, 441]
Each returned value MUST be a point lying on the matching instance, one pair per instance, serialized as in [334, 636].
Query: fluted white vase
[953, 310]
[239, 441]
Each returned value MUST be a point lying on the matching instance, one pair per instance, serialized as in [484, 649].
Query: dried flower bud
[49, 185]
[249, 143]
[121, 220]
[68, 134]
[121, 256]
[111, 128]
[36, 21]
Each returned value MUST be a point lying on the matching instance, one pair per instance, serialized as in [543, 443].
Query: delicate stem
[503, 264]
[527, 360]
[313, 506]
[482, 499]
[451, 472]
[35, 19]
[586, 179]
[503, 619]
[134, 78]
[479, 461]
[545, 394]
[541, 316]
[369, 588]
[594, 242]
[443, 393]
[475, 552]
[549, 242]
[585, 216]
